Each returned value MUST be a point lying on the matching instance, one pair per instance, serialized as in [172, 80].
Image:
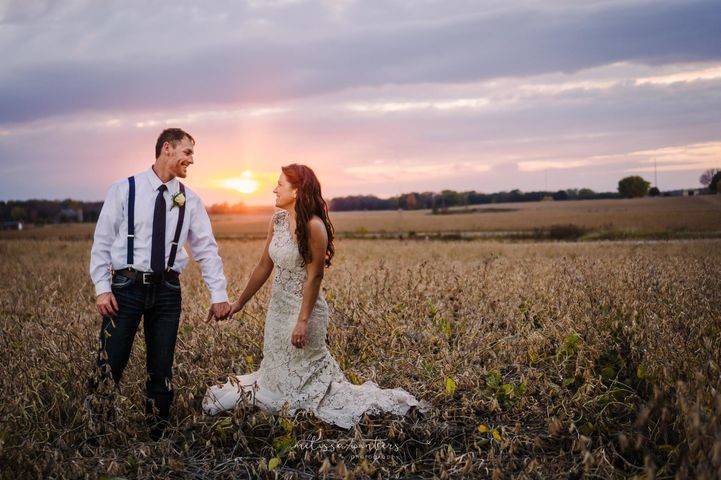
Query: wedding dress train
[307, 378]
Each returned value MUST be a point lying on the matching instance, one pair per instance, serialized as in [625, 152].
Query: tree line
[49, 211]
[68, 210]
[452, 198]
[60, 211]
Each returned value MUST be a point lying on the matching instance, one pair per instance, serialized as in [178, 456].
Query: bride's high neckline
[286, 218]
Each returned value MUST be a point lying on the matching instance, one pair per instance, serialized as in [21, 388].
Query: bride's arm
[260, 275]
[317, 241]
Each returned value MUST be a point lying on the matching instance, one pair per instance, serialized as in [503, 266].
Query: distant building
[686, 192]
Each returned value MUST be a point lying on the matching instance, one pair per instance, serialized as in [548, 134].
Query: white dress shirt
[110, 244]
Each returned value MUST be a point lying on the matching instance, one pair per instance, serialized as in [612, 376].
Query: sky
[378, 97]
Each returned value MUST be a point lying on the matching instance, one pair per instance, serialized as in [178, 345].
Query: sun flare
[245, 183]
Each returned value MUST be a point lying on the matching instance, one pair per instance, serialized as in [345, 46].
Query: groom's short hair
[173, 136]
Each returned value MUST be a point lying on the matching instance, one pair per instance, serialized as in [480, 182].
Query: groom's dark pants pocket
[159, 308]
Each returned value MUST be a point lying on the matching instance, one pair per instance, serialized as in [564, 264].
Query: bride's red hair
[308, 202]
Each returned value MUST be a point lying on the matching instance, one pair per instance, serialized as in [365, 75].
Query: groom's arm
[106, 231]
[204, 249]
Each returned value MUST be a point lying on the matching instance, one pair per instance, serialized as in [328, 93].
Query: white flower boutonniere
[178, 200]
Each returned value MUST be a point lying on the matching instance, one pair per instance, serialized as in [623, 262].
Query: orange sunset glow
[245, 183]
[249, 186]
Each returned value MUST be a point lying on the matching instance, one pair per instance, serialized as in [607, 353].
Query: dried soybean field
[540, 360]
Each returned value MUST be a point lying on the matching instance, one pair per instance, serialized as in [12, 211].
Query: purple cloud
[273, 65]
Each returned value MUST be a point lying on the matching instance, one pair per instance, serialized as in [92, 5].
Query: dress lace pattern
[307, 378]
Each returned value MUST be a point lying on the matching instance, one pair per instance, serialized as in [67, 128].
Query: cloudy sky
[379, 97]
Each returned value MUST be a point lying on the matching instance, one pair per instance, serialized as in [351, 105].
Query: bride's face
[284, 193]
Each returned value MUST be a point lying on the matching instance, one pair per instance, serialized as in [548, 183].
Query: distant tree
[707, 177]
[586, 193]
[654, 192]
[560, 195]
[450, 198]
[464, 198]
[715, 183]
[18, 214]
[411, 201]
[634, 186]
[363, 202]
[426, 199]
[515, 195]
[476, 198]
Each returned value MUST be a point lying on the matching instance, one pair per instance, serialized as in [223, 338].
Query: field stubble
[540, 361]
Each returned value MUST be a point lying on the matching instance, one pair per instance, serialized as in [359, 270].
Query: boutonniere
[178, 200]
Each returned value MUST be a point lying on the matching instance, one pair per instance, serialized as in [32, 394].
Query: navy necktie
[157, 252]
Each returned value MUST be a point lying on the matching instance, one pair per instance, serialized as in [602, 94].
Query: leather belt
[148, 278]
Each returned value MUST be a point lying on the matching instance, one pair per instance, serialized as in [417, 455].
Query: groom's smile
[184, 169]
[181, 158]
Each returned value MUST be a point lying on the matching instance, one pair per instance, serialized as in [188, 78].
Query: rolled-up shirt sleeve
[204, 249]
[106, 230]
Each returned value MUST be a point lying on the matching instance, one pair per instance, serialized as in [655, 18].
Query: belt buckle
[144, 279]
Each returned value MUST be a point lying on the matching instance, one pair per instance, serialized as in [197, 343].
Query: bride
[297, 370]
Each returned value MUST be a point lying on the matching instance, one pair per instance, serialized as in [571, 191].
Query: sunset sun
[245, 183]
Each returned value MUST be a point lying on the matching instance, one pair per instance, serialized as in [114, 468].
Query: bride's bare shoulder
[317, 227]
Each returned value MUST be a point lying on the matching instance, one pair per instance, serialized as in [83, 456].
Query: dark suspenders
[131, 219]
[178, 228]
[131, 225]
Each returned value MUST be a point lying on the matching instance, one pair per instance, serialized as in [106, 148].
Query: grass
[541, 360]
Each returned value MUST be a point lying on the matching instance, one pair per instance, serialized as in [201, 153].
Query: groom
[135, 264]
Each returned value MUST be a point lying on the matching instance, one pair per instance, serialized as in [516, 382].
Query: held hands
[106, 304]
[235, 307]
[299, 335]
[219, 311]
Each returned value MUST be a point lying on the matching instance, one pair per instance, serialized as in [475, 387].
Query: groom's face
[180, 157]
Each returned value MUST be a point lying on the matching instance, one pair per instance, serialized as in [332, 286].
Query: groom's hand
[219, 310]
[107, 305]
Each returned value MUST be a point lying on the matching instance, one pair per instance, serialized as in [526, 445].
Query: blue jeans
[159, 307]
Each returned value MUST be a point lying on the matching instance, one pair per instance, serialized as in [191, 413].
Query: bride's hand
[299, 334]
[235, 307]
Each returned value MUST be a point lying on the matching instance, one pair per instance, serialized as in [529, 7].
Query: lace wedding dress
[305, 378]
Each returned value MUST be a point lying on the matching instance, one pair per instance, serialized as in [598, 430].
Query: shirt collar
[155, 182]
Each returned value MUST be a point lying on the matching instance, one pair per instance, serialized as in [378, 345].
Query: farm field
[693, 215]
[540, 360]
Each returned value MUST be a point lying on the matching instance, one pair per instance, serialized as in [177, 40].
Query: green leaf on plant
[450, 386]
